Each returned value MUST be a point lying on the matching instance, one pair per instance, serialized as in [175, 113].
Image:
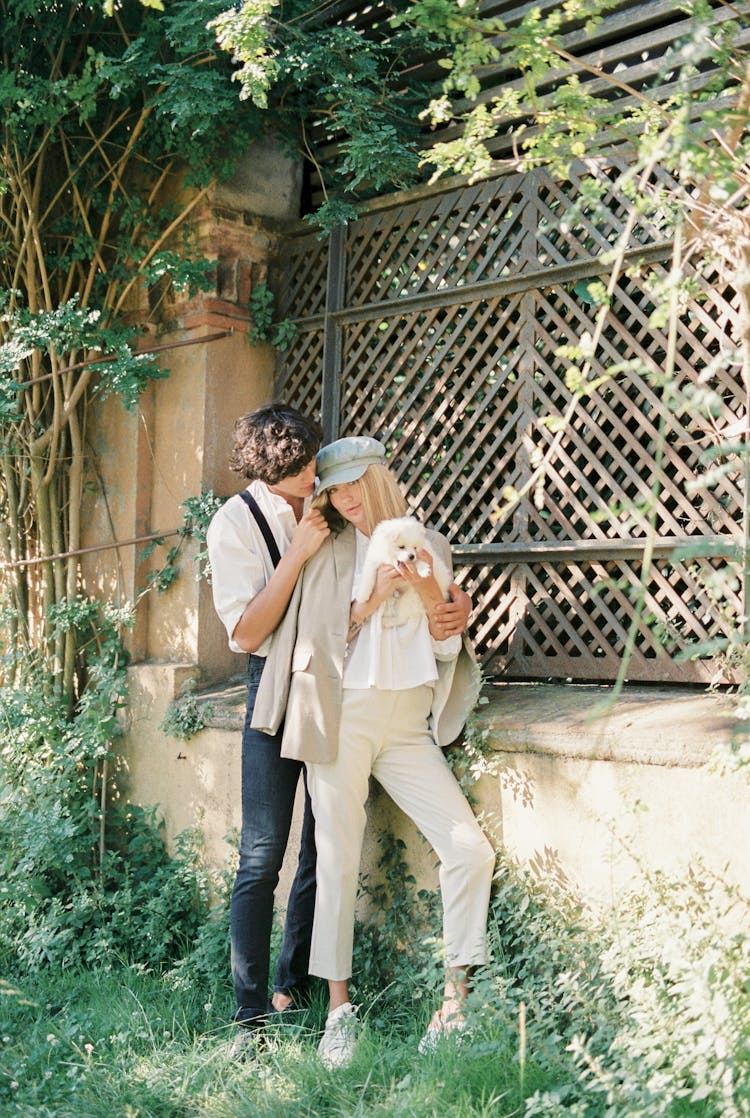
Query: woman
[347, 727]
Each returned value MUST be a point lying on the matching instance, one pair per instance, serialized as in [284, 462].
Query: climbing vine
[100, 116]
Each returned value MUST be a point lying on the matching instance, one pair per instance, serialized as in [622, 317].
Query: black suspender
[264, 526]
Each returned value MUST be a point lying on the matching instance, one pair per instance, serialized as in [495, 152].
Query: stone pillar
[175, 446]
[211, 381]
[145, 464]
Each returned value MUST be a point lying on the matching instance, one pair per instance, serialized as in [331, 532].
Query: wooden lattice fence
[434, 323]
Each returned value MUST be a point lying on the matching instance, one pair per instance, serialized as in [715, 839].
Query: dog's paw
[423, 569]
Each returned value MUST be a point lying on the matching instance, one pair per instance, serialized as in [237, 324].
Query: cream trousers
[385, 733]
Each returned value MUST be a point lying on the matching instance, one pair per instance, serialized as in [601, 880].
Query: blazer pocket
[301, 658]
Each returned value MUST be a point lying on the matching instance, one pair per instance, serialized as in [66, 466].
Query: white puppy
[398, 541]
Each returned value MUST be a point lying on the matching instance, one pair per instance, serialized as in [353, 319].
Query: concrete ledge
[225, 705]
[609, 796]
[603, 798]
[676, 727]
[644, 725]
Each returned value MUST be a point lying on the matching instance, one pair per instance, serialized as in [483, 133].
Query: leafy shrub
[86, 878]
[207, 965]
[395, 959]
[263, 328]
[639, 1013]
[186, 716]
[642, 1012]
[677, 965]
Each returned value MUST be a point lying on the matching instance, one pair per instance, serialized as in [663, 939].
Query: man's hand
[263, 613]
[446, 619]
[425, 585]
[451, 618]
[309, 535]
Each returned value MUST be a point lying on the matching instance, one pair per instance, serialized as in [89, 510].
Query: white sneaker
[245, 1044]
[336, 1046]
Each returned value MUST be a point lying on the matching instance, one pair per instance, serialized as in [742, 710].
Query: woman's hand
[428, 589]
[387, 581]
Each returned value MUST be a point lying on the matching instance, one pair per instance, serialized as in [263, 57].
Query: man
[275, 447]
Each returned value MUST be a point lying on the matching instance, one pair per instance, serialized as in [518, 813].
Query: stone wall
[600, 799]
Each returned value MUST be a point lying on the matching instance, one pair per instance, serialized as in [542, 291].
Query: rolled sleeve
[238, 571]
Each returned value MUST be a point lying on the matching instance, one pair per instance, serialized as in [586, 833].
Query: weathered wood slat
[547, 277]
[633, 60]
[566, 551]
[631, 43]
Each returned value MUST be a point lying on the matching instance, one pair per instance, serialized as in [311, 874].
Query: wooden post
[333, 333]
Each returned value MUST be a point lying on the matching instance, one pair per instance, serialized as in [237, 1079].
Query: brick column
[179, 441]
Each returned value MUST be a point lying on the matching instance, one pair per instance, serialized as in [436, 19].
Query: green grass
[639, 1013]
[124, 1044]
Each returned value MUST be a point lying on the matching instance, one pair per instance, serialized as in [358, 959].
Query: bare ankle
[338, 993]
[451, 1009]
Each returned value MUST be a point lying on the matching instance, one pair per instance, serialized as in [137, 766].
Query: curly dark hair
[274, 442]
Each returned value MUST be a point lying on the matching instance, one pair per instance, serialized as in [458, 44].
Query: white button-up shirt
[240, 564]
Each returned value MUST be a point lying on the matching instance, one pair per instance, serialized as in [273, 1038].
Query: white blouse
[397, 657]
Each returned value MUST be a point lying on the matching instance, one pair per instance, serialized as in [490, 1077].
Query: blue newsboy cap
[346, 460]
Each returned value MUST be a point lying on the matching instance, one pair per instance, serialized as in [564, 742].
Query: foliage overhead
[332, 82]
[103, 118]
[498, 96]
[362, 81]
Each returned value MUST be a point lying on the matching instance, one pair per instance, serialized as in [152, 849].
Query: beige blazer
[301, 684]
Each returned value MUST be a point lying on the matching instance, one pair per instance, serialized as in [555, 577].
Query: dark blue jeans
[269, 785]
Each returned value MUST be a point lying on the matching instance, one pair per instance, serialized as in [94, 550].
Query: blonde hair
[382, 499]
